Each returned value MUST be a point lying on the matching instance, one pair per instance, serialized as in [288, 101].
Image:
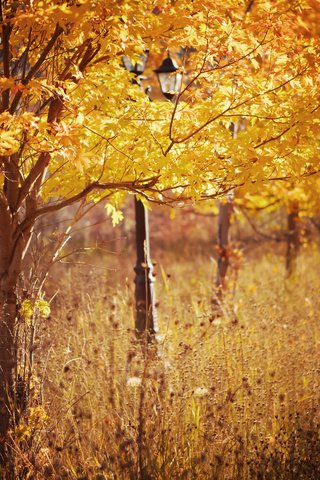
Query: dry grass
[228, 396]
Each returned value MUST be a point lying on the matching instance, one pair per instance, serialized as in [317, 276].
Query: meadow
[230, 390]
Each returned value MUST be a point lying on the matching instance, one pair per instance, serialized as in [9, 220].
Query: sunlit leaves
[259, 68]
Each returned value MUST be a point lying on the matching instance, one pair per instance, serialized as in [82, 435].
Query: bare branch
[276, 237]
[139, 186]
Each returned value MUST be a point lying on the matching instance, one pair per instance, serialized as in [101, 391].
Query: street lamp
[169, 79]
[146, 320]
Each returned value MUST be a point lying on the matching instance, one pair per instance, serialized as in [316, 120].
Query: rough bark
[11, 254]
[8, 304]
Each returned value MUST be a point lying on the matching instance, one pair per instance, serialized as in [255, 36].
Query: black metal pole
[146, 321]
[146, 313]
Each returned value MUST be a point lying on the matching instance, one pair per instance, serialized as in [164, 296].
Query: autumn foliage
[74, 127]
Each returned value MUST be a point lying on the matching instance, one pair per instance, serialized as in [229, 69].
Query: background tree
[297, 202]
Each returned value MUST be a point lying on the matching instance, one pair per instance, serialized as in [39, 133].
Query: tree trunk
[8, 358]
[225, 211]
[11, 254]
[293, 238]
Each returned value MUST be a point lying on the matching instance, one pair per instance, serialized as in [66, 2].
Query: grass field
[229, 392]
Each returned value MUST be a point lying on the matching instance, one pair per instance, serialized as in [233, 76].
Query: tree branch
[35, 173]
[234, 107]
[275, 237]
[134, 185]
[11, 181]
[6, 32]
[33, 70]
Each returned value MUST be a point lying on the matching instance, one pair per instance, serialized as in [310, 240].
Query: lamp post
[146, 320]
[169, 78]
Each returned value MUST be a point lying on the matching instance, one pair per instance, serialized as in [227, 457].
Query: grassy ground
[232, 394]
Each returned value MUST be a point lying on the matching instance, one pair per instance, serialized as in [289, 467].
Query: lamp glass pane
[170, 82]
[178, 82]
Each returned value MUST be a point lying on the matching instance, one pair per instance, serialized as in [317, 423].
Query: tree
[73, 126]
[61, 65]
[225, 212]
[296, 200]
